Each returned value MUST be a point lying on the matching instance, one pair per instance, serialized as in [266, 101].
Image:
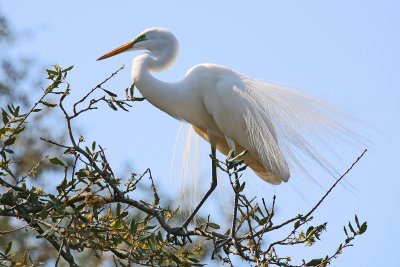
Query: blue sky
[345, 51]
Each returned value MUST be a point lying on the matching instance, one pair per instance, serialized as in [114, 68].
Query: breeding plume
[233, 111]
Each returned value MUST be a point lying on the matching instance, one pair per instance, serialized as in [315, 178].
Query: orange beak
[117, 51]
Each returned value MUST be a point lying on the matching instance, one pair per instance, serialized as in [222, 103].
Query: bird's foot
[179, 236]
[226, 244]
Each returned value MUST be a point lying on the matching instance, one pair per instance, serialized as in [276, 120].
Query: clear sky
[344, 51]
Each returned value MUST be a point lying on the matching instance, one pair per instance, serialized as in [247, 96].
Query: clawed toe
[179, 236]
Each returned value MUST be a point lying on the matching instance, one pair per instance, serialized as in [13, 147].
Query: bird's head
[155, 40]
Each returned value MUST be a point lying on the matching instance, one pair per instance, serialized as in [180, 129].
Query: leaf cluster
[93, 209]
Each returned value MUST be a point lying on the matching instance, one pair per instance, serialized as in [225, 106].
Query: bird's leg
[212, 187]
[236, 186]
[182, 230]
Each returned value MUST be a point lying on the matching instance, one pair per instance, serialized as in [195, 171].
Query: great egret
[233, 111]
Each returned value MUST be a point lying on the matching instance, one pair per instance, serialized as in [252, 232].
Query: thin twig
[13, 230]
[96, 87]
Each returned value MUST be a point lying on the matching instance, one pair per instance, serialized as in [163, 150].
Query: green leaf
[363, 228]
[264, 220]
[131, 90]
[143, 237]
[149, 227]
[133, 226]
[242, 187]
[230, 154]
[124, 214]
[56, 161]
[120, 104]
[80, 207]
[175, 258]
[36, 110]
[67, 69]
[60, 188]
[112, 106]
[309, 230]
[352, 229]
[314, 262]
[7, 197]
[93, 145]
[43, 214]
[9, 141]
[30, 259]
[193, 260]
[10, 109]
[357, 222]
[118, 208]
[8, 248]
[48, 104]
[17, 131]
[16, 111]
[237, 162]
[109, 93]
[345, 231]
[51, 72]
[242, 168]
[117, 225]
[5, 116]
[159, 236]
[213, 225]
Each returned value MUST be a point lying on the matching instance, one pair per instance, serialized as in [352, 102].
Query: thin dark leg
[212, 187]
[236, 186]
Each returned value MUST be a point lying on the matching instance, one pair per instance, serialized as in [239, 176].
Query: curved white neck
[163, 95]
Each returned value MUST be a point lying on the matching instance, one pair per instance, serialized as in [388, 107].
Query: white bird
[233, 111]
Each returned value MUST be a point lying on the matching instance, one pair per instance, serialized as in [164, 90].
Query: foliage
[93, 210]
[13, 70]
[18, 78]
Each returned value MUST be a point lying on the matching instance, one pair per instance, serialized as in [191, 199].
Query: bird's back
[277, 125]
[220, 90]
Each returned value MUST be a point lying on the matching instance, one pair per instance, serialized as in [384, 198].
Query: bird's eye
[142, 36]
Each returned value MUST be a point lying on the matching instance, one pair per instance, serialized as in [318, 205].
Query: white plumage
[276, 125]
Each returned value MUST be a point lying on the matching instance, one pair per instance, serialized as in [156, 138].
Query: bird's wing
[280, 124]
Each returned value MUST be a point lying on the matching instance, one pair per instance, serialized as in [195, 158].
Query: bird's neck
[163, 95]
